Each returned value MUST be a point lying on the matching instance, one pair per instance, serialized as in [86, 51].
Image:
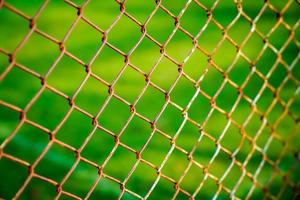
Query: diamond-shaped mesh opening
[218, 12]
[91, 90]
[120, 172]
[169, 168]
[224, 61]
[68, 130]
[28, 8]
[290, 49]
[107, 189]
[9, 121]
[108, 64]
[9, 19]
[103, 142]
[240, 71]
[160, 26]
[136, 133]
[266, 61]
[91, 39]
[117, 111]
[39, 188]
[134, 181]
[239, 30]
[32, 56]
[4, 62]
[67, 85]
[46, 105]
[29, 136]
[13, 175]
[124, 86]
[149, 51]
[253, 40]
[53, 167]
[164, 74]
[140, 10]
[266, 21]
[152, 99]
[164, 189]
[102, 15]
[193, 19]
[278, 42]
[188, 137]
[180, 45]
[170, 120]
[184, 85]
[83, 173]
[156, 149]
[48, 21]
[131, 34]
[196, 65]
[16, 92]
[291, 10]
[149, 100]
[252, 8]
[211, 33]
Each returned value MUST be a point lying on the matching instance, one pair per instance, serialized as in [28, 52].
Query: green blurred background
[38, 54]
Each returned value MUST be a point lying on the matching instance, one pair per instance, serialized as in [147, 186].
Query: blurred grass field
[38, 54]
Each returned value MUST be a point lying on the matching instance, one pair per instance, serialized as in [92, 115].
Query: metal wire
[186, 118]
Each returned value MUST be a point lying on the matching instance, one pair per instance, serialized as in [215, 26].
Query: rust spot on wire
[77, 153]
[10, 58]
[126, 60]
[195, 42]
[180, 66]
[205, 170]
[167, 96]
[143, 29]
[58, 188]
[110, 90]
[22, 115]
[162, 50]
[32, 24]
[138, 155]
[104, 37]
[30, 169]
[100, 171]
[153, 125]
[172, 142]
[132, 108]
[122, 187]
[79, 11]
[51, 136]
[94, 121]
[208, 13]
[190, 157]
[212, 102]
[43, 80]
[116, 139]
[61, 46]
[87, 68]
[147, 79]
[71, 101]
[122, 7]
[176, 19]
[176, 186]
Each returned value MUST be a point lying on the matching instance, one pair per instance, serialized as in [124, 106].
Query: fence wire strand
[185, 111]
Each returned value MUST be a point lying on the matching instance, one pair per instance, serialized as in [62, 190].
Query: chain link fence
[160, 99]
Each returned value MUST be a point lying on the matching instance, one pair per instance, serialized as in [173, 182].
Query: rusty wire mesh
[280, 169]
